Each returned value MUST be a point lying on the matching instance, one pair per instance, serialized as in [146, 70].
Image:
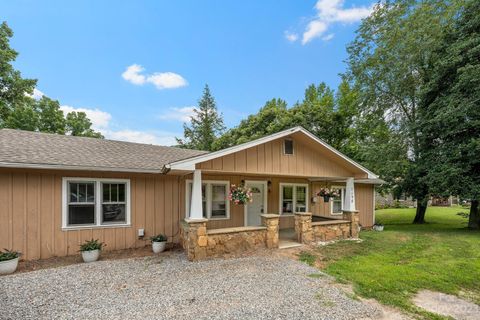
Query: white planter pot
[378, 228]
[158, 247]
[90, 256]
[9, 266]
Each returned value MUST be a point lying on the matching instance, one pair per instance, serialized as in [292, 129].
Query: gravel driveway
[170, 287]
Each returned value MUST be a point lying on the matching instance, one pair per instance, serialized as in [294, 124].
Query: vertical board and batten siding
[268, 158]
[31, 213]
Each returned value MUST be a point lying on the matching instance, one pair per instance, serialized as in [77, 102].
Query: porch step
[286, 244]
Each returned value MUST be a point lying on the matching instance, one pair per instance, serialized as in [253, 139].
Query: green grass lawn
[391, 266]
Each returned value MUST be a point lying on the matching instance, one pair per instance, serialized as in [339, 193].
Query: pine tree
[205, 125]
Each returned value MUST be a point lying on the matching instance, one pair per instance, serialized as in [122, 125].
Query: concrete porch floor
[287, 239]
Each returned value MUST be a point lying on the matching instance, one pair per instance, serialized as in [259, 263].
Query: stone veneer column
[303, 227]
[271, 222]
[196, 239]
[353, 217]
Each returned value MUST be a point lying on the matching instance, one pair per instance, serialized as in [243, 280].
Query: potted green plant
[8, 261]
[158, 243]
[91, 250]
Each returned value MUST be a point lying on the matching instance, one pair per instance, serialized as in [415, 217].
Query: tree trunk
[421, 209]
[474, 218]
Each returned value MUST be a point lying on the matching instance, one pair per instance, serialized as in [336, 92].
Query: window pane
[113, 213]
[288, 146]
[82, 192]
[106, 192]
[121, 192]
[337, 202]
[219, 196]
[73, 192]
[81, 214]
[301, 205]
[113, 192]
[287, 193]
[90, 192]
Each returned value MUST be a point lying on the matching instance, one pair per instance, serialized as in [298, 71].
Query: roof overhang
[43, 166]
[190, 163]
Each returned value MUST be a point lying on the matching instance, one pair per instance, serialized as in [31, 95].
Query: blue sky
[139, 67]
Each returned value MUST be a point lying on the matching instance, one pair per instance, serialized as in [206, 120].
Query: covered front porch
[284, 212]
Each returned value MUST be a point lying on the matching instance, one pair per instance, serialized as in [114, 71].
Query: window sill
[110, 226]
[336, 213]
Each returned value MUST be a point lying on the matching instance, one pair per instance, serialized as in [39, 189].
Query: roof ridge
[110, 140]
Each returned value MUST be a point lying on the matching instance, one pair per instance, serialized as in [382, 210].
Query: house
[58, 191]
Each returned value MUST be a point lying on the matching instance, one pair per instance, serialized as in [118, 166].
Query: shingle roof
[42, 150]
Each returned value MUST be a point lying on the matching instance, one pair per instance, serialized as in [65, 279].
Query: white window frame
[294, 203]
[293, 147]
[208, 195]
[98, 203]
[342, 200]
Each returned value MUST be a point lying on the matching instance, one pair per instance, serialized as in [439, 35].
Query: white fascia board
[189, 164]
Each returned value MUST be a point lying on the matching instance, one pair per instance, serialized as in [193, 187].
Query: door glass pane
[219, 196]
[301, 205]
[287, 199]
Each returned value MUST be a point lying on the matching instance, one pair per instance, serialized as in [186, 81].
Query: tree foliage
[206, 125]
[389, 62]
[450, 113]
[13, 88]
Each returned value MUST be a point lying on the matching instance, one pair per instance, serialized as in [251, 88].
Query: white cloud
[292, 37]
[100, 119]
[314, 29]
[162, 138]
[180, 114]
[161, 80]
[133, 74]
[37, 94]
[328, 37]
[330, 12]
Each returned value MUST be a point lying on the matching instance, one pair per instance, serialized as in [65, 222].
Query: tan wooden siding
[363, 203]
[31, 213]
[308, 160]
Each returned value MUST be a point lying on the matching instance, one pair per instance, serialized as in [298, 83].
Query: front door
[257, 207]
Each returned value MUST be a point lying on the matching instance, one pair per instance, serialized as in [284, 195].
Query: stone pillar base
[196, 239]
[303, 227]
[354, 219]
[271, 221]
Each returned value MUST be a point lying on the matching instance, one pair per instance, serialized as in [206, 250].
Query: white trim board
[189, 164]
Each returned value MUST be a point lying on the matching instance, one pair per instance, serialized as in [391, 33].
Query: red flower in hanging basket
[240, 194]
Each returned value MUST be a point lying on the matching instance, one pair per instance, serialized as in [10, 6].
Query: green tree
[206, 125]
[268, 120]
[78, 124]
[450, 113]
[12, 86]
[389, 62]
[50, 117]
[23, 117]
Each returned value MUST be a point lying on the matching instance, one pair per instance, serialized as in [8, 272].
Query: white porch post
[349, 201]
[196, 201]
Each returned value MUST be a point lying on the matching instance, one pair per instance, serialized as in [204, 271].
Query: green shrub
[91, 245]
[9, 255]
[159, 238]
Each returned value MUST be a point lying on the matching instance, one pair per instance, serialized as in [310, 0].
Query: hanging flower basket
[240, 194]
[327, 193]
